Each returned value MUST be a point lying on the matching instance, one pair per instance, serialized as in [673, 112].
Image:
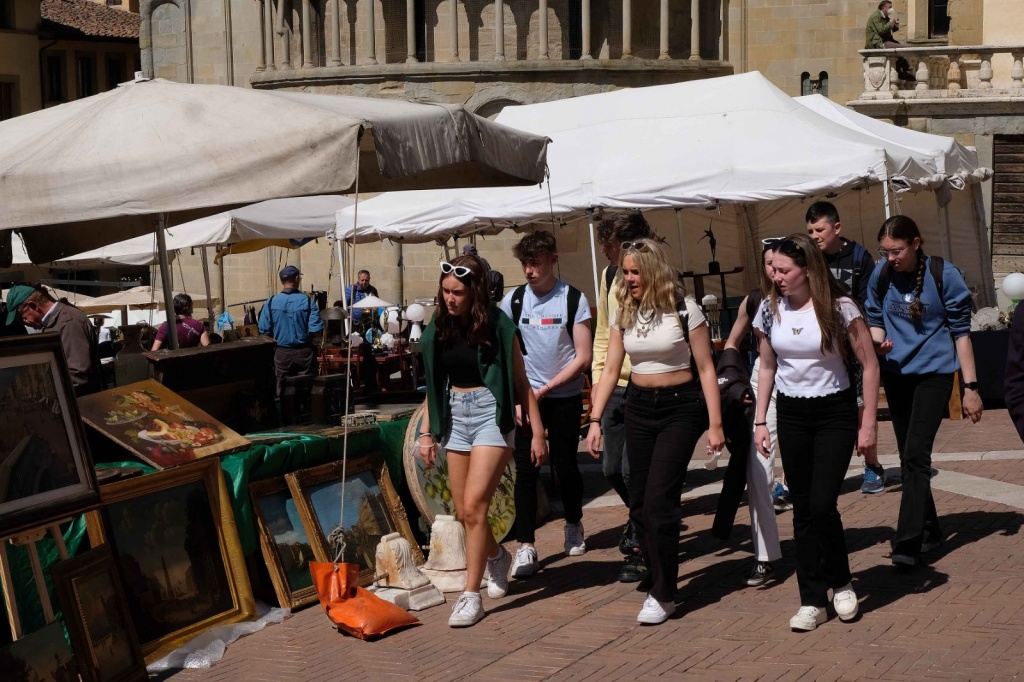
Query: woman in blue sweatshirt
[922, 330]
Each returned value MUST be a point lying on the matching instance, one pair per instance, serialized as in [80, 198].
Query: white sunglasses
[459, 270]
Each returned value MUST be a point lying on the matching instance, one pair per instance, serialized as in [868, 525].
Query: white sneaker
[808, 618]
[525, 564]
[574, 543]
[845, 601]
[468, 610]
[497, 574]
[655, 612]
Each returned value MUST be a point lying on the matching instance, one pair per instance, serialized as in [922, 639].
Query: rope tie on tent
[338, 534]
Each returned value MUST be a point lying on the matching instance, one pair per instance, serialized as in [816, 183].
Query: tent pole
[593, 254]
[885, 192]
[206, 280]
[165, 280]
[682, 251]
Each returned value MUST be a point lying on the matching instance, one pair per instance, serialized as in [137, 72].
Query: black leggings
[816, 441]
[917, 403]
[663, 426]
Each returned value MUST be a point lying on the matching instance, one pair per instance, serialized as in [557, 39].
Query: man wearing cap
[354, 293]
[290, 317]
[39, 310]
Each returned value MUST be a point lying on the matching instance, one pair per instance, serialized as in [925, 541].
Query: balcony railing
[335, 35]
[941, 72]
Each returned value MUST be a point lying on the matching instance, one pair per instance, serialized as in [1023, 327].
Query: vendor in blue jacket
[919, 311]
[291, 317]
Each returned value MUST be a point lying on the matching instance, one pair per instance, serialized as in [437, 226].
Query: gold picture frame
[373, 509]
[97, 618]
[180, 523]
[285, 542]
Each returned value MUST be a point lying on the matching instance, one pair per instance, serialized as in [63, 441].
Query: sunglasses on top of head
[459, 270]
[772, 242]
[636, 246]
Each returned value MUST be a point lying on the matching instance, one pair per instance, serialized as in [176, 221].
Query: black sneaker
[627, 543]
[633, 569]
[762, 573]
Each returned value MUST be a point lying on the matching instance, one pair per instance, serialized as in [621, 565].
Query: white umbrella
[104, 168]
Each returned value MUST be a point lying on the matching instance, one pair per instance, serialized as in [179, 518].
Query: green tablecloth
[257, 462]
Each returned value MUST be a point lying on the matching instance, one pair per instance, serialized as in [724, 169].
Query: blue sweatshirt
[924, 347]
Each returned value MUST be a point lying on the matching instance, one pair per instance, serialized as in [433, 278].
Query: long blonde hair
[664, 289]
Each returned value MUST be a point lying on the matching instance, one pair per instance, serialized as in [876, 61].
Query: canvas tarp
[97, 170]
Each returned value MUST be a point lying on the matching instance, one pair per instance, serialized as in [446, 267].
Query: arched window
[814, 86]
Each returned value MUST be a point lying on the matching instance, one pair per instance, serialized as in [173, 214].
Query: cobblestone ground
[961, 617]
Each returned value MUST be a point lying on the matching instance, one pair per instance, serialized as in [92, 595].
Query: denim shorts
[473, 422]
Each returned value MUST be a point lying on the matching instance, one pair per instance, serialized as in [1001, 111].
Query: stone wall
[19, 56]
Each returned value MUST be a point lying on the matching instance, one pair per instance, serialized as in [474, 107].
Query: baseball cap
[16, 295]
[289, 272]
[470, 250]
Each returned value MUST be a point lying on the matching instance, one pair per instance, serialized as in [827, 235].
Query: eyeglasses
[636, 246]
[895, 253]
[459, 270]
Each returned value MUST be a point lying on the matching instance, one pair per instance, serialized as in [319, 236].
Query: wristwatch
[970, 385]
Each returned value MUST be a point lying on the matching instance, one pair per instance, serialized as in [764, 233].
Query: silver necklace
[644, 323]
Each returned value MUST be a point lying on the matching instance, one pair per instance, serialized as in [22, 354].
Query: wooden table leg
[7, 583]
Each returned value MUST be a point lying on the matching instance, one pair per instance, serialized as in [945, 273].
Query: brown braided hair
[905, 229]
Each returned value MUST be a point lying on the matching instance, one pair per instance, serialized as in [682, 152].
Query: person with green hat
[38, 310]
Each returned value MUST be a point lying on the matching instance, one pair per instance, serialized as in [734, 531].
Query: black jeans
[662, 427]
[561, 417]
[300, 361]
[816, 441]
[917, 404]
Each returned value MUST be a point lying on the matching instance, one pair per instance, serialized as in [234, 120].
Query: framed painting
[431, 490]
[284, 541]
[372, 510]
[157, 425]
[46, 470]
[42, 655]
[174, 539]
[96, 616]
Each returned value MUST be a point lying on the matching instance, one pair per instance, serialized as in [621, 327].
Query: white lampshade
[1013, 286]
[387, 340]
[355, 339]
[415, 313]
[416, 332]
[710, 299]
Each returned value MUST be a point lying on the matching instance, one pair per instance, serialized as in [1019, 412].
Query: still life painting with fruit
[157, 425]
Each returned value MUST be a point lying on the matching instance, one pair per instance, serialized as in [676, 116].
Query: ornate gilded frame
[286, 596]
[71, 579]
[303, 483]
[207, 472]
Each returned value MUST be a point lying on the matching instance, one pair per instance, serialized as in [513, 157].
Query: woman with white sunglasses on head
[476, 385]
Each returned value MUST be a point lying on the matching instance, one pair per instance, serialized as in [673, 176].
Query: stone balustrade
[298, 35]
[942, 72]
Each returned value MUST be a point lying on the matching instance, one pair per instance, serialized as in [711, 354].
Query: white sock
[472, 595]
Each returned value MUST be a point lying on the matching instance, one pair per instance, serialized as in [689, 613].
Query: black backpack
[572, 304]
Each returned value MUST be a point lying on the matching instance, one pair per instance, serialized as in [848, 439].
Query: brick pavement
[960, 618]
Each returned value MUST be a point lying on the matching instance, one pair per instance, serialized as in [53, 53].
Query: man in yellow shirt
[612, 231]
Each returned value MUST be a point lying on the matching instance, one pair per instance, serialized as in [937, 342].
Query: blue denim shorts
[473, 422]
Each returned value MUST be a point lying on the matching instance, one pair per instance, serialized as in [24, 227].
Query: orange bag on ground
[355, 611]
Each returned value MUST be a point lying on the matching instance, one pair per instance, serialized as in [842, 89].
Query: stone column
[307, 35]
[268, 33]
[694, 29]
[261, 63]
[499, 30]
[627, 29]
[543, 20]
[453, 26]
[985, 71]
[410, 31]
[585, 20]
[1017, 72]
[371, 31]
[336, 34]
[663, 38]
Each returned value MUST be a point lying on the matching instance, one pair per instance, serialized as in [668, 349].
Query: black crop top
[459, 360]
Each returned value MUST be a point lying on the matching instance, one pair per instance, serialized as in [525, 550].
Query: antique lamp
[710, 305]
[415, 314]
[1013, 287]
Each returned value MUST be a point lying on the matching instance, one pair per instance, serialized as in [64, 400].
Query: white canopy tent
[153, 152]
[694, 145]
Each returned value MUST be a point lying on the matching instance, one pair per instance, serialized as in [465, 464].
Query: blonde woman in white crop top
[666, 410]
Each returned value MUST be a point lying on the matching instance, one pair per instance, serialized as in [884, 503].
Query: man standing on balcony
[878, 35]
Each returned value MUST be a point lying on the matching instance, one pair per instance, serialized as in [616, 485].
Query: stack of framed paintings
[300, 520]
[42, 655]
[173, 536]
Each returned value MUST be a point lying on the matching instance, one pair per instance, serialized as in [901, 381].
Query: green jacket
[496, 369]
[877, 32]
